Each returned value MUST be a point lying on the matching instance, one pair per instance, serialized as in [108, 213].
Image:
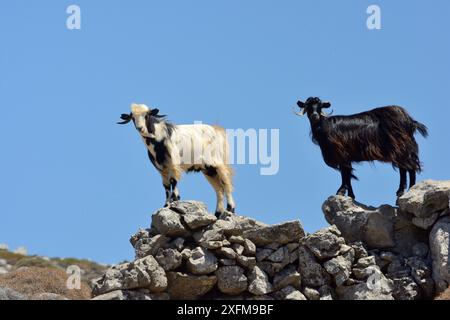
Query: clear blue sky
[73, 183]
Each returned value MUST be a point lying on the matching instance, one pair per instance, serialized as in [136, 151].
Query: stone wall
[367, 253]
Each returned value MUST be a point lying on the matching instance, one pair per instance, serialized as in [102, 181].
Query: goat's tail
[423, 130]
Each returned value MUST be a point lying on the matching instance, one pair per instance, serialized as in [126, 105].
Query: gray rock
[287, 277]
[366, 262]
[360, 250]
[311, 294]
[132, 295]
[177, 243]
[340, 267]
[426, 198]
[169, 259]
[145, 245]
[142, 273]
[377, 287]
[186, 253]
[280, 233]
[325, 243]
[406, 289]
[238, 248]
[263, 253]
[168, 223]
[422, 274]
[236, 239]
[193, 213]
[277, 256]
[373, 226]
[227, 262]
[231, 280]
[327, 293]
[9, 294]
[246, 262]
[249, 248]
[189, 287]
[439, 247]
[312, 273]
[289, 293]
[225, 252]
[271, 268]
[259, 282]
[202, 261]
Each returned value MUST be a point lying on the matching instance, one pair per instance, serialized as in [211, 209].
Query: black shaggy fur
[383, 134]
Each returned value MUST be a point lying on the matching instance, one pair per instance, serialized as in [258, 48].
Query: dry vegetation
[33, 281]
[444, 295]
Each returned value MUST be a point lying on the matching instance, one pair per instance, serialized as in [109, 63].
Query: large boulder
[426, 201]
[440, 246]
[373, 226]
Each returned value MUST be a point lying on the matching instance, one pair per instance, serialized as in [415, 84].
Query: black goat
[384, 134]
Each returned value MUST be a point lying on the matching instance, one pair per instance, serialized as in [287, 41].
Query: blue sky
[73, 183]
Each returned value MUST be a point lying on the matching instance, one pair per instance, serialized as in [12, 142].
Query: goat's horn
[301, 113]
[327, 114]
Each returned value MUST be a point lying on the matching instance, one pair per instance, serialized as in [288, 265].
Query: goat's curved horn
[327, 114]
[126, 118]
[301, 113]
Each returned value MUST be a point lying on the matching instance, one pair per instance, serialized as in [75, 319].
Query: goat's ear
[126, 118]
[326, 105]
[300, 104]
[154, 112]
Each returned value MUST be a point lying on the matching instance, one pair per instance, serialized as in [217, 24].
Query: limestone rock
[231, 280]
[189, 287]
[142, 273]
[168, 223]
[426, 200]
[202, 261]
[440, 247]
[357, 222]
[259, 282]
[325, 243]
[169, 259]
[280, 233]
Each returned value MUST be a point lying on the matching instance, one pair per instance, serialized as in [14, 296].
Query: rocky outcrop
[366, 253]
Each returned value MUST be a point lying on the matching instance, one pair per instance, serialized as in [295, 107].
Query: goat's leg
[342, 191]
[175, 196]
[167, 188]
[412, 178]
[348, 182]
[224, 176]
[211, 176]
[402, 187]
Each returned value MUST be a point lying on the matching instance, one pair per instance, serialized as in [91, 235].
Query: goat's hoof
[231, 209]
[400, 193]
[218, 214]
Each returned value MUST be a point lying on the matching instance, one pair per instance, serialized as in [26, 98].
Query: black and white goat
[383, 134]
[174, 149]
